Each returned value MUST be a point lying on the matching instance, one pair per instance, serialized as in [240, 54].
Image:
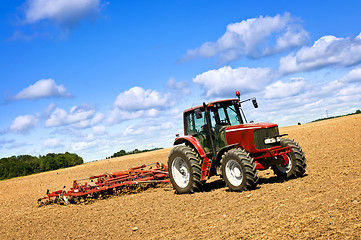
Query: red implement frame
[156, 173]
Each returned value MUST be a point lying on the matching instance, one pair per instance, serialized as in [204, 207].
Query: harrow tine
[100, 184]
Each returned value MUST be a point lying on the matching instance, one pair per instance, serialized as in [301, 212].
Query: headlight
[272, 140]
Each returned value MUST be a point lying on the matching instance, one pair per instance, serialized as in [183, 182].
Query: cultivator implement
[82, 188]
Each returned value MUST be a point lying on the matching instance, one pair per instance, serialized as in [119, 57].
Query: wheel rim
[285, 168]
[234, 172]
[180, 172]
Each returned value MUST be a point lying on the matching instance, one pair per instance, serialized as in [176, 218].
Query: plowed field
[324, 204]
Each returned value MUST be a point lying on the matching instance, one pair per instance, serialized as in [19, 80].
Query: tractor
[218, 141]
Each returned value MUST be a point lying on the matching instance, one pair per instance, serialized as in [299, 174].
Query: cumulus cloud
[302, 100]
[147, 128]
[133, 130]
[326, 51]
[44, 88]
[23, 123]
[255, 37]
[137, 102]
[63, 12]
[82, 145]
[51, 143]
[353, 76]
[79, 116]
[226, 80]
[181, 87]
[99, 130]
[138, 98]
[116, 115]
[281, 89]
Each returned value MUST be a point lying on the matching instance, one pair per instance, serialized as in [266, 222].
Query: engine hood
[249, 126]
[243, 134]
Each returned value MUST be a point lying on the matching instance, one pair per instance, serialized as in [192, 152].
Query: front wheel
[184, 169]
[296, 166]
[239, 170]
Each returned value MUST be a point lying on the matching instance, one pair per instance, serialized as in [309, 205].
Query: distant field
[324, 204]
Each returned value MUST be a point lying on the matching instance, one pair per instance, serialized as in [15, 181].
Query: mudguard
[192, 141]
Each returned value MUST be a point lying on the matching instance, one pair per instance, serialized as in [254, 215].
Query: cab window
[189, 122]
[200, 122]
[233, 115]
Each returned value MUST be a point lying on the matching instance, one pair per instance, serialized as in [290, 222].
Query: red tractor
[218, 141]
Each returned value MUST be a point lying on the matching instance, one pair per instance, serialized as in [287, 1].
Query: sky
[93, 77]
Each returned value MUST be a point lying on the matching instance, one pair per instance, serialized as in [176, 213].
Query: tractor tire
[239, 170]
[297, 161]
[184, 169]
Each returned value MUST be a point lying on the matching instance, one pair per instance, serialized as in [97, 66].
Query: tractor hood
[246, 134]
[249, 126]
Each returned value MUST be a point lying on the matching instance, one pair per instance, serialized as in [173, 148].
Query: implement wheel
[296, 166]
[239, 170]
[184, 169]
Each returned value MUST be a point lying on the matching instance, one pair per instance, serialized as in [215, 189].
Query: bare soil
[324, 204]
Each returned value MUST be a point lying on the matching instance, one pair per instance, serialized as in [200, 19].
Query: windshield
[226, 115]
[233, 115]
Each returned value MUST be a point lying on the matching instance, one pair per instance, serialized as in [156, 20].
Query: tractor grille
[260, 134]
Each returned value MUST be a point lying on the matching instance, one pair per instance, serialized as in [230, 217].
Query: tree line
[23, 165]
[358, 111]
[123, 152]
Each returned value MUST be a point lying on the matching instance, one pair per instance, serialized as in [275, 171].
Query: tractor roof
[219, 101]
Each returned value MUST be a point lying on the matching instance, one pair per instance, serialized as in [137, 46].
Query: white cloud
[353, 76]
[138, 102]
[148, 129]
[99, 130]
[137, 98]
[226, 80]
[91, 121]
[63, 12]
[181, 87]
[116, 115]
[78, 146]
[79, 116]
[326, 51]
[44, 88]
[301, 100]
[251, 38]
[51, 143]
[281, 90]
[23, 123]
[133, 130]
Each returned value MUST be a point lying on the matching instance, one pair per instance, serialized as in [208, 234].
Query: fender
[191, 140]
[223, 150]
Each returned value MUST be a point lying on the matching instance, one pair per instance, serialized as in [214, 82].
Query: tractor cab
[210, 121]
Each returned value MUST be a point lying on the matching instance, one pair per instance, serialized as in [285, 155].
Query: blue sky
[96, 76]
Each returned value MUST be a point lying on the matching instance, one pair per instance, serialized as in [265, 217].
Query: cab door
[196, 126]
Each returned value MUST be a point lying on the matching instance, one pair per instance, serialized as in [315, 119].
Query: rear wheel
[184, 169]
[296, 166]
[239, 170]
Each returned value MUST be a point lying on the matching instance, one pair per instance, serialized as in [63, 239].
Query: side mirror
[255, 104]
[198, 113]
